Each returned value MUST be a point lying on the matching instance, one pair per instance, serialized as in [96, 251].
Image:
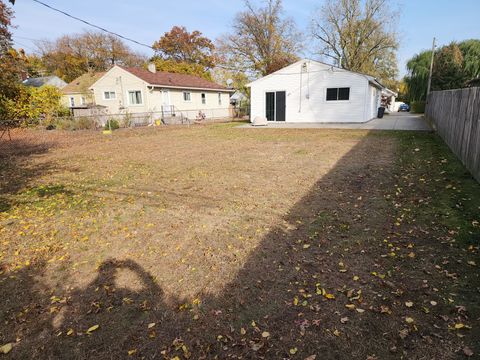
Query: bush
[126, 120]
[418, 107]
[85, 123]
[112, 124]
[81, 123]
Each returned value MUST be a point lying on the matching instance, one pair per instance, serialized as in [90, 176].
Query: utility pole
[431, 68]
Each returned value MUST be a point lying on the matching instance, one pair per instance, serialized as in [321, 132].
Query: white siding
[121, 82]
[306, 94]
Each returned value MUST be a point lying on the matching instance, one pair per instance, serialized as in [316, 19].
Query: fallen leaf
[467, 351]
[350, 306]
[433, 303]
[471, 263]
[243, 331]
[409, 320]
[151, 325]
[409, 304]
[5, 349]
[265, 334]
[403, 333]
[459, 326]
[344, 320]
[293, 351]
[257, 346]
[360, 310]
[311, 357]
[70, 332]
[131, 352]
[92, 329]
[336, 332]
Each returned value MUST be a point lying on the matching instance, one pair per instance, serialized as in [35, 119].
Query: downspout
[366, 105]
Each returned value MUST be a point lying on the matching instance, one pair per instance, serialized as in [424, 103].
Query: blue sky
[147, 20]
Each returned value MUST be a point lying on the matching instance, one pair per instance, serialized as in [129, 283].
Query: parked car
[403, 107]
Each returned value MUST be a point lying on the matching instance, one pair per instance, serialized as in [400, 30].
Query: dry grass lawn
[218, 242]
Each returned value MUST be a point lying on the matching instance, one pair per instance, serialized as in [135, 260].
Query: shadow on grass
[277, 306]
[15, 163]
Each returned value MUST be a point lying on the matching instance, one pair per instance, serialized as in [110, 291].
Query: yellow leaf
[196, 301]
[243, 331]
[409, 320]
[336, 332]
[5, 349]
[350, 306]
[330, 296]
[360, 310]
[151, 325]
[131, 352]
[70, 332]
[409, 304]
[356, 278]
[459, 326]
[293, 351]
[265, 334]
[92, 329]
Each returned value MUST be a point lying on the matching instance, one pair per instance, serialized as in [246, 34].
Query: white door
[166, 108]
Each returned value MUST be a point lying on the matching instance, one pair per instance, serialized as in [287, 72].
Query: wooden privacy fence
[456, 117]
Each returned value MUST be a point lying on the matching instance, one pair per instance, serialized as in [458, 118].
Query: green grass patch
[445, 194]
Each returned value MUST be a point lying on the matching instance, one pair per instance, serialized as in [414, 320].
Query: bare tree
[73, 55]
[262, 40]
[358, 35]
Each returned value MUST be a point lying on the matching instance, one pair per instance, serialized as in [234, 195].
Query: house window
[109, 95]
[204, 98]
[135, 97]
[186, 96]
[72, 101]
[82, 100]
[219, 98]
[334, 94]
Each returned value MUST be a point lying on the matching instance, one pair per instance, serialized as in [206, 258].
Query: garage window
[335, 94]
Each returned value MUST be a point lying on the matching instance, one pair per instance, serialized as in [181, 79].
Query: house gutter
[187, 88]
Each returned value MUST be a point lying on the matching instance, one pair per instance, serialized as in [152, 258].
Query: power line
[93, 25]
[25, 38]
[22, 45]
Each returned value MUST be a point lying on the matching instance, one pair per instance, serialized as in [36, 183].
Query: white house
[311, 91]
[137, 90]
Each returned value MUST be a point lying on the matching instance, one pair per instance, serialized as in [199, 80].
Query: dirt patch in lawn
[213, 241]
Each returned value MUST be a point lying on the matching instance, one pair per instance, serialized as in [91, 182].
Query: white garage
[311, 91]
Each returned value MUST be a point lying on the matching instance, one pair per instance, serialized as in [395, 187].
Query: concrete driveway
[394, 121]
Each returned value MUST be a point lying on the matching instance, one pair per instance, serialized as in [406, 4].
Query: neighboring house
[45, 80]
[311, 91]
[77, 93]
[238, 97]
[390, 97]
[137, 90]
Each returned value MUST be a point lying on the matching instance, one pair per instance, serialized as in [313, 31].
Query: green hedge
[418, 107]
